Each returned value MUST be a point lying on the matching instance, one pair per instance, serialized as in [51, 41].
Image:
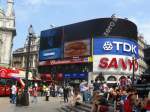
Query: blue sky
[44, 13]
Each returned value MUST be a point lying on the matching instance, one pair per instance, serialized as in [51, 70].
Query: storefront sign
[115, 46]
[115, 64]
[65, 61]
[76, 75]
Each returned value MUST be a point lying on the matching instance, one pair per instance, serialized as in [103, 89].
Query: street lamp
[133, 74]
[26, 94]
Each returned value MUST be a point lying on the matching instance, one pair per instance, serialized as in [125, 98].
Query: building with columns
[20, 55]
[7, 33]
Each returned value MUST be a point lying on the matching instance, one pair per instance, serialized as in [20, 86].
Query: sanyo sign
[116, 46]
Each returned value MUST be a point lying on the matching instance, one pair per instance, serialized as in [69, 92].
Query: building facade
[142, 63]
[19, 56]
[99, 48]
[7, 33]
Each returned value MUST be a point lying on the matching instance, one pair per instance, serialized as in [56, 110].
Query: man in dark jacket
[66, 93]
[96, 85]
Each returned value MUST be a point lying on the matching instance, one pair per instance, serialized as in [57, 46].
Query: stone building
[7, 33]
[142, 63]
[19, 55]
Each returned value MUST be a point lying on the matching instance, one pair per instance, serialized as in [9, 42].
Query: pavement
[53, 105]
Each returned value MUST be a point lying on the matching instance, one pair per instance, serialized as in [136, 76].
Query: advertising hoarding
[76, 75]
[50, 54]
[65, 61]
[114, 64]
[115, 55]
[50, 44]
[115, 46]
[77, 48]
[97, 27]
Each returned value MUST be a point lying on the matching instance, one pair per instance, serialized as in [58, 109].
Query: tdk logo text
[126, 47]
[115, 46]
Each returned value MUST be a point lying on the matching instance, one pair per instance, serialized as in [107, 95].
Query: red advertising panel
[65, 61]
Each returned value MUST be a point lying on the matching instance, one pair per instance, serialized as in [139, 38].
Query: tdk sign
[117, 46]
[126, 46]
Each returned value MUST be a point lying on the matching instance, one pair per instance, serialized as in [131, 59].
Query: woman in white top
[77, 98]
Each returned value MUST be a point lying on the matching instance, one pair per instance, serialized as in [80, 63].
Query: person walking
[47, 93]
[34, 94]
[66, 93]
[13, 94]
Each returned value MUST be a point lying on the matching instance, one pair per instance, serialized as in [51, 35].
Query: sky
[44, 13]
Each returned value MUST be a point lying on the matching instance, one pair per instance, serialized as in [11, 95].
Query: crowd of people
[119, 98]
[103, 97]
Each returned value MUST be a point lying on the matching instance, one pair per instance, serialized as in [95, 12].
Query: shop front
[73, 70]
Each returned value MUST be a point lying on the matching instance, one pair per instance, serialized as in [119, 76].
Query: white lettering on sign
[49, 54]
[111, 25]
[117, 44]
[127, 47]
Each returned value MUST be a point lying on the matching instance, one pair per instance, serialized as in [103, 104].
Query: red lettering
[122, 62]
[103, 62]
[113, 63]
[130, 64]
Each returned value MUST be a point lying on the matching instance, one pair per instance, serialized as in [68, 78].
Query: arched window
[111, 78]
[100, 77]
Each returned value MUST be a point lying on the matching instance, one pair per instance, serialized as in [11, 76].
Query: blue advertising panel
[50, 54]
[76, 75]
[115, 46]
[50, 44]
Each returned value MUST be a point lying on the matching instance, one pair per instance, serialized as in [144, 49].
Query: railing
[142, 87]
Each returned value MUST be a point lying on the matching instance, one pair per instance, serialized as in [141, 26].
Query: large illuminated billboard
[77, 48]
[50, 44]
[115, 55]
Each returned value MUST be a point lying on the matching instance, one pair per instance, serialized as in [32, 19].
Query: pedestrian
[96, 85]
[66, 93]
[13, 94]
[18, 96]
[83, 89]
[91, 88]
[129, 82]
[76, 99]
[60, 91]
[34, 94]
[47, 93]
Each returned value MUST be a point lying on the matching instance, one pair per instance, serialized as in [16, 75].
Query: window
[2, 81]
[111, 78]
[100, 77]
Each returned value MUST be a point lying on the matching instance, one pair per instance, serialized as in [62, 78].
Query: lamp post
[133, 74]
[26, 94]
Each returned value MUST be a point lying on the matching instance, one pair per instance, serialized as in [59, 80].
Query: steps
[79, 108]
[82, 107]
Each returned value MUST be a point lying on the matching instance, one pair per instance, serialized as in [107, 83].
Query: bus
[8, 77]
